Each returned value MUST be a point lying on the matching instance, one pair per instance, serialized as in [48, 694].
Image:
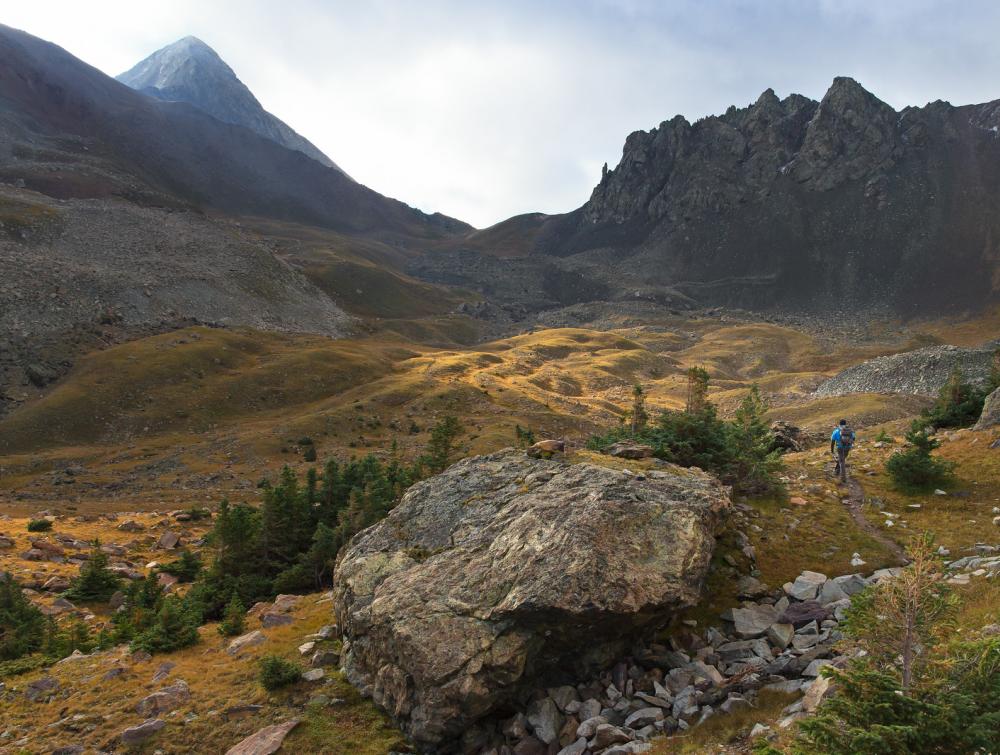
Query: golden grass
[190, 416]
[217, 682]
[958, 520]
[725, 729]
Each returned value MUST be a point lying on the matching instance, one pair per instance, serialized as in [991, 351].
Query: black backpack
[846, 438]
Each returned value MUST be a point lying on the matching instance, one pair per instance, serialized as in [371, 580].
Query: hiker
[841, 443]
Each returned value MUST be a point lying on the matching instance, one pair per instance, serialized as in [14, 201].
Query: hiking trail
[855, 505]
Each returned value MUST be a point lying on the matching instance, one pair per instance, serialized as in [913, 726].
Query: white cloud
[485, 110]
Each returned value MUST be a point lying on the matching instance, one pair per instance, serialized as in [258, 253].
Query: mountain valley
[214, 340]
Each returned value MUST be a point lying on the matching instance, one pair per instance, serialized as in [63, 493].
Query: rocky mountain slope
[843, 207]
[110, 222]
[70, 131]
[190, 71]
[78, 274]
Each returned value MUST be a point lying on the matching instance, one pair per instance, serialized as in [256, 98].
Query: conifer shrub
[234, 619]
[916, 470]
[959, 404]
[175, 626]
[920, 687]
[39, 525]
[21, 623]
[275, 672]
[738, 451]
[442, 444]
[95, 580]
[523, 436]
[185, 568]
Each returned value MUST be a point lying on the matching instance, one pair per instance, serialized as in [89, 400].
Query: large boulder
[504, 570]
[991, 412]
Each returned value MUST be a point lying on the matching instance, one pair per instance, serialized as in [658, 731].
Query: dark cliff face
[190, 71]
[797, 204]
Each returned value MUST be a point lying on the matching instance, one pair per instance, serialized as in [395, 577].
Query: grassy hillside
[196, 409]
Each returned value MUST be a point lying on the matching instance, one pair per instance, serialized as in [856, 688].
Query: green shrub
[276, 672]
[21, 623]
[919, 688]
[175, 626]
[59, 642]
[234, 620]
[39, 525]
[442, 444]
[959, 404]
[197, 514]
[95, 580]
[185, 568]
[524, 436]
[915, 470]
[309, 454]
[739, 451]
[23, 665]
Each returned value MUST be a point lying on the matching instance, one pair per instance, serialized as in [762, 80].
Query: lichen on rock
[528, 568]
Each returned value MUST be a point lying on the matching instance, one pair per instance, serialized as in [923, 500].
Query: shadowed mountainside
[71, 131]
[790, 204]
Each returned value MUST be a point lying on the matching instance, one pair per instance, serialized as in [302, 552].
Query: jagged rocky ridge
[190, 71]
[843, 206]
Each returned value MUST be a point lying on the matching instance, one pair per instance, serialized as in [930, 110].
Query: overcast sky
[483, 110]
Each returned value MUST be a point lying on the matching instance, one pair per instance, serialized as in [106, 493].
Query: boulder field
[505, 573]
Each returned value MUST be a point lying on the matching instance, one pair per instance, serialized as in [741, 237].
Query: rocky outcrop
[919, 372]
[991, 412]
[843, 208]
[506, 570]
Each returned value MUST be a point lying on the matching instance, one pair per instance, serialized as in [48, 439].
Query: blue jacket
[842, 442]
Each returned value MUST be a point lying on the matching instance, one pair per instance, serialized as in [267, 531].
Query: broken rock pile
[779, 642]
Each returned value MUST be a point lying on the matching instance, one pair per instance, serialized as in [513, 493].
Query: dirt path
[855, 505]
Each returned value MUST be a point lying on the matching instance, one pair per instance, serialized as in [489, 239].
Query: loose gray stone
[780, 635]
[545, 720]
[644, 717]
[754, 621]
[135, 734]
[806, 586]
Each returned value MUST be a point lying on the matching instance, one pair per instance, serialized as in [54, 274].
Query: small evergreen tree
[523, 436]
[959, 404]
[309, 454]
[754, 464]
[95, 580]
[442, 444]
[915, 470]
[276, 672]
[697, 394]
[899, 619]
[234, 620]
[185, 568]
[175, 626]
[638, 417]
[918, 690]
[21, 623]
